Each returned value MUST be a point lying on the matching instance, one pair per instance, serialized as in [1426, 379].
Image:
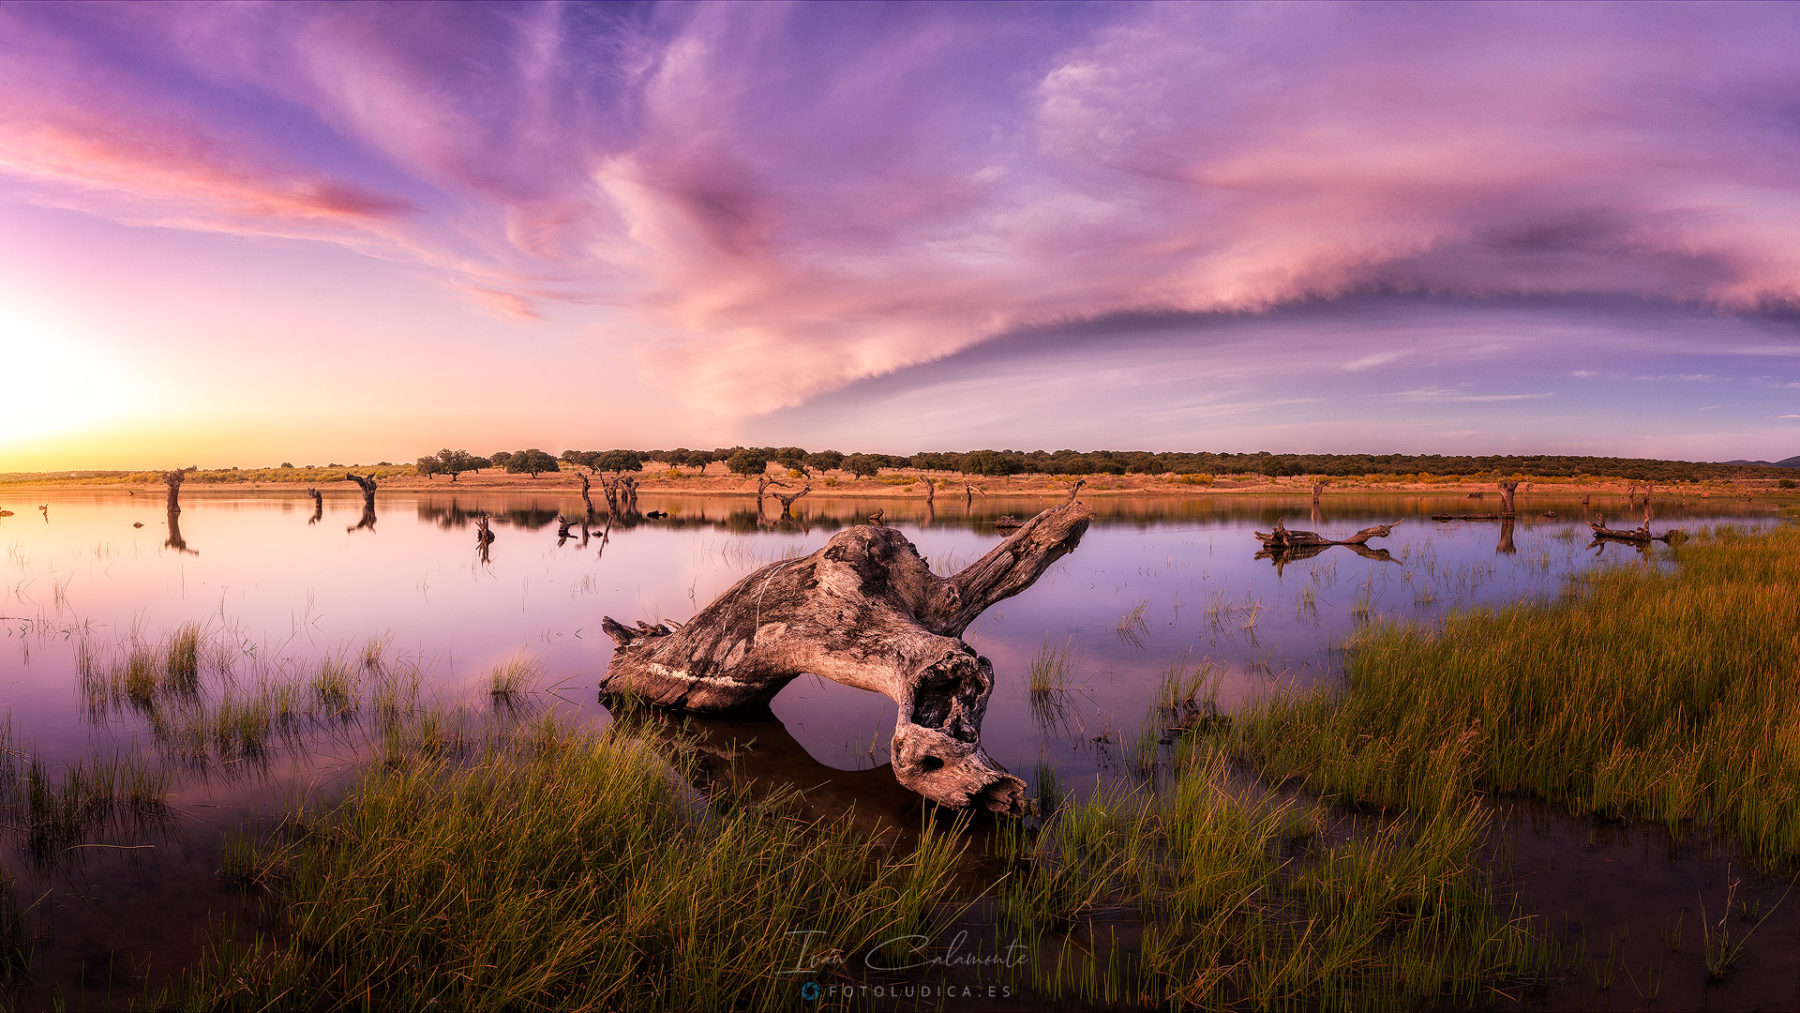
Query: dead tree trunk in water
[318, 505]
[175, 541]
[865, 611]
[1506, 498]
[762, 486]
[585, 498]
[1318, 487]
[787, 502]
[1282, 538]
[367, 484]
[483, 537]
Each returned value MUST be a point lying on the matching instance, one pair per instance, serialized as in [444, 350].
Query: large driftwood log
[865, 611]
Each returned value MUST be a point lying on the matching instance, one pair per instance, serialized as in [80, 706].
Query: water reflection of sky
[293, 592]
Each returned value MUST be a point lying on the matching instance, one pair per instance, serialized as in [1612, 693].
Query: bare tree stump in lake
[787, 502]
[1506, 498]
[585, 498]
[621, 495]
[172, 479]
[865, 611]
[318, 499]
[367, 484]
[1317, 488]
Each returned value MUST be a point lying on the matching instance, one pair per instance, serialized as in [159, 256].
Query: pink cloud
[788, 199]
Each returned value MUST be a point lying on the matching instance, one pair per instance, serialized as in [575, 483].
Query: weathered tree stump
[865, 610]
[621, 494]
[1507, 489]
[318, 499]
[173, 480]
[367, 484]
[586, 499]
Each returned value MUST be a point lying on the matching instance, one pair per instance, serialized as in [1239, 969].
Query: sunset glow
[237, 233]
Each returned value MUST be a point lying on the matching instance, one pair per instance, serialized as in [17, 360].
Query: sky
[236, 234]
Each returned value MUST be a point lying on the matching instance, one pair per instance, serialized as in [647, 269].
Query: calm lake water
[1154, 584]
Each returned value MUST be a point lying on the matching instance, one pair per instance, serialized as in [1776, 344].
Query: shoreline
[950, 486]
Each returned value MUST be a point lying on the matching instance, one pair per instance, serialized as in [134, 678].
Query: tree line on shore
[751, 461]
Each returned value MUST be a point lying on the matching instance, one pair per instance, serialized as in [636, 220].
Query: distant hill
[1792, 462]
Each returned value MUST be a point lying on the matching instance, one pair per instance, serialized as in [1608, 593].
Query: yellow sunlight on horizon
[57, 382]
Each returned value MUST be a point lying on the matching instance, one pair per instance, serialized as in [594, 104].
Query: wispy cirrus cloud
[1455, 395]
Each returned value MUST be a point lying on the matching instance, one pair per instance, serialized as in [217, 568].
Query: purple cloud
[784, 200]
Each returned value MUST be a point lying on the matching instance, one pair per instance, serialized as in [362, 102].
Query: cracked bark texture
[865, 610]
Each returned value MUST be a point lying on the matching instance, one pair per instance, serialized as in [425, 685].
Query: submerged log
[1465, 517]
[1282, 538]
[865, 611]
[1638, 534]
[1006, 522]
